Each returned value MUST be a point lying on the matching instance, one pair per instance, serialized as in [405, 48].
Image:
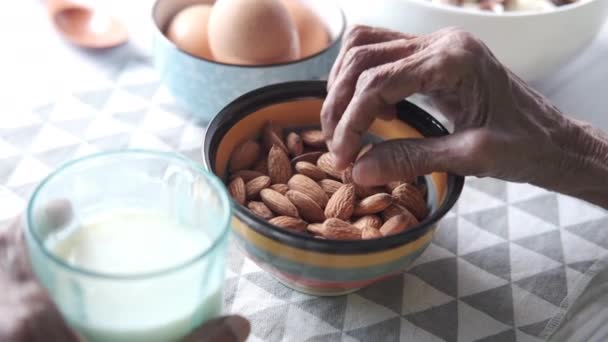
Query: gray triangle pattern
[76, 127]
[95, 98]
[112, 143]
[447, 314]
[132, 117]
[582, 266]
[145, 91]
[489, 186]
[172, 136]
[494, 220]
[551, 285]
[388, 293]
[333, 337]
[544, 207]
[487, 302]
[594, 231]
[7, 166]
[548, 244]
[230, 287]
[269, 324]
[505, 336]
[330, 310]
[493, 259]
[265, 281]
[441, 274]
[446, 235]
[21, 137]
[386, 331]
[57, 156]
[535, 329]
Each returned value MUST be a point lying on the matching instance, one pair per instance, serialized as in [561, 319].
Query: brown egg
[252, 32]
[188, 30]
[314, 36]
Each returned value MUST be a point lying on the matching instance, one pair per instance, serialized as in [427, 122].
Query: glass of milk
[131, 245]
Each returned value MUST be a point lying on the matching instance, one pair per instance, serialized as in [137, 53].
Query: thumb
[225, 329]
[405, 159]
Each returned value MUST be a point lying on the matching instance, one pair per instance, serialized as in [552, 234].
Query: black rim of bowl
[289, 91]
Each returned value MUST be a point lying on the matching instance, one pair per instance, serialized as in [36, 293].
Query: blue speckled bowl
[204, 87]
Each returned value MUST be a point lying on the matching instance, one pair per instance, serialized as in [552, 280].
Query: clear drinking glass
[123, 296]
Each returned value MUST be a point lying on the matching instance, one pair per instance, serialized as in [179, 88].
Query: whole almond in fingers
[369, 233]
[311, 170]
[260, 209]
[364, 150]
[288, 222]
[279, 167]
[372, 221]
[361, 191]
[392, 186]
[280, 188]
[342, 203]
[272, 134]
[326, 163]
[307, 208]
[373, 204]
[247, 175]
[398, 224]
[409, 197]
[334, 228]
[308, 187]
[244, 155]
[310, 157]
[236, 188]
[278, 203]
[294, 144]
[254, 186]
[313, 138]
[330, 186]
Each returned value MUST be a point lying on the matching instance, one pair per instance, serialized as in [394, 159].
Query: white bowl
[533, 44]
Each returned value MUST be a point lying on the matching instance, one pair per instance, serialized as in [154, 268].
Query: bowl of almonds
[308, 224]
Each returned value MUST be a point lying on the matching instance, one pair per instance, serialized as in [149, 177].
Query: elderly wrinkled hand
[503, 128]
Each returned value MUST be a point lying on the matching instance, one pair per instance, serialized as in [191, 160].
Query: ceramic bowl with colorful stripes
[316, 266]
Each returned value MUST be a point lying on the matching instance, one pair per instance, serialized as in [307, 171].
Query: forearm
[582, 167]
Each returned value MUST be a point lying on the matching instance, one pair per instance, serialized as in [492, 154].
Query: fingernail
[239, 326]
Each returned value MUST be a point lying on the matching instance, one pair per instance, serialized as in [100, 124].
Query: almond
[260, 209]
[369, 233]
[334, 228]
[330, 186]
[398, 224]
[244, 155]
[273, 135]
[409, 197]
[310, 157]
[237, 190]
[392, 185]
[279, 168]
[288, 222]
[280, 188]
[308, 187]
[326, 163]
[373, 204]
[315, 228]
[342, 203]
[310, 170]
[308, 209]
[313, 138]
[364, 150]
[392, 210]
[254, 186]
[294, 144]
[247, 175]
[372, 221]
[278, 203]
[261, 166]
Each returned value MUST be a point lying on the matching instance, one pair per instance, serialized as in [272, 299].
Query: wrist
[582, 162]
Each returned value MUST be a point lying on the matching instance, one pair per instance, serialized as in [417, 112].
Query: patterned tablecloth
[504, 265]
